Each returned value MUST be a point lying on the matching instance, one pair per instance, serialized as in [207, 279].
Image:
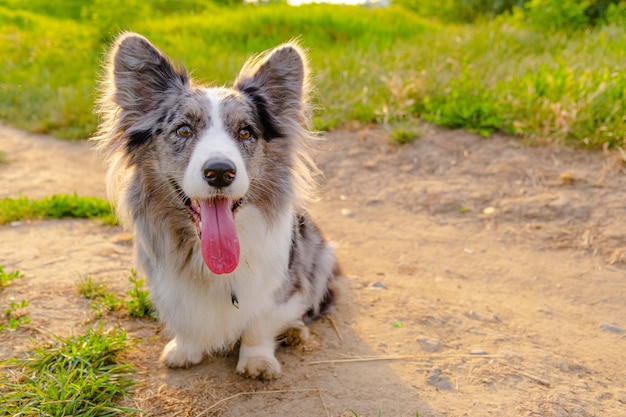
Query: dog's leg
[256, 355]
[180, 354]
[258, 342]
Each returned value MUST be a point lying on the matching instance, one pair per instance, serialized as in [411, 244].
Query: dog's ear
[276, 83]
[141, 75]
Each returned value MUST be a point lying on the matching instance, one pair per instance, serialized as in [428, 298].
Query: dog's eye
[245, 134]
[184, 131]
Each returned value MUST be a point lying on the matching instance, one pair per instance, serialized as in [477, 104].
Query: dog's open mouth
[215, 223]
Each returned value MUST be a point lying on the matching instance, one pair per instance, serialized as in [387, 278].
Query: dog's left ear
[276, 83]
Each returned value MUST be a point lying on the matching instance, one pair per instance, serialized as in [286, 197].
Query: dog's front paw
[259, 367]
[180, 355]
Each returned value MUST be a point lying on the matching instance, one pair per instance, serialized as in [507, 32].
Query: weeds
[405, 131]
[139, 304]
[465, 104]
[55, 207]
[79, 375]
[104, 300]
[7, 277]
[14, 315]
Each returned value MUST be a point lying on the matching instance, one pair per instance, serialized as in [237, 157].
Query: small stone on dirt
[429, 344]
[478, 352]
[473, 315]
[437, 380]
[379, 285]
[347, 213]
[611, 328]
[374, 201]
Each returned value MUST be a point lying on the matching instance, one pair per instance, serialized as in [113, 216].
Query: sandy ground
[483, 278]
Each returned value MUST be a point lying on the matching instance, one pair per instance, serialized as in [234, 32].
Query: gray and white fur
[162, 137]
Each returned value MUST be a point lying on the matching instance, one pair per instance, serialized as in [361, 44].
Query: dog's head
[214, 149]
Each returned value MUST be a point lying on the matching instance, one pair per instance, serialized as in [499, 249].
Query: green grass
[405, 131]
[52, 57]
[104, 300]
[7, 277]
[55, 207]
[566, 87]
[139, 304]
[15, 314]
[564, 83]
[80, 375]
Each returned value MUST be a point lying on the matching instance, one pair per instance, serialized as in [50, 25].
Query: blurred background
[543, 70]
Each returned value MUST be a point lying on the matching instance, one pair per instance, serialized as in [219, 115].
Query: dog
[213, 181]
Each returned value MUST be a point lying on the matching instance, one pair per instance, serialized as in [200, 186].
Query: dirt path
[485, 273]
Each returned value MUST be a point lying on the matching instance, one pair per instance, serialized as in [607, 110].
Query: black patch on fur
[137, 139]
[162, 72]
[268, 122]
[325, 306]
[302, 226]
[162, 117]
[328, 301]
[292, 249]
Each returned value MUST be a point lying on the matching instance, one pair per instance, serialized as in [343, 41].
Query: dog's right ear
[140, 75]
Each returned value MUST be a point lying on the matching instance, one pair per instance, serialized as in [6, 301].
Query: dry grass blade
[398, 358]
[239, 394]
[323, 403]
[535, 378]
[332, 323]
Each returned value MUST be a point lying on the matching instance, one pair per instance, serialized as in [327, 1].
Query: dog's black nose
[219, 174]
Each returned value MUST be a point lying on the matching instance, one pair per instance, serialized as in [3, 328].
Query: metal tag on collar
[234, 300]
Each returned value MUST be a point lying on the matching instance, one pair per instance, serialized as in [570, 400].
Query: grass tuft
[15, 314]
[56, 207]
[104, 300]
[7, 277]
[139, 304]
[79, 375]
[406, 131]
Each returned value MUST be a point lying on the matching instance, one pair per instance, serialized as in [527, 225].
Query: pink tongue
[220, 245]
